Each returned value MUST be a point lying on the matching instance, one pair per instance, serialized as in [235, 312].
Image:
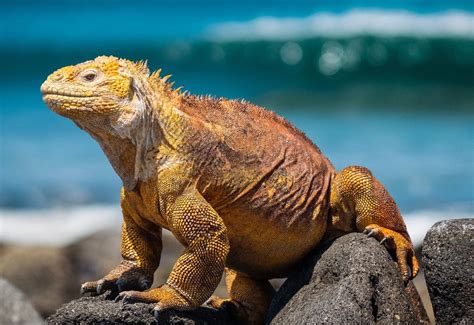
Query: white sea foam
[63, 226]
[58, 226]
[351, 23]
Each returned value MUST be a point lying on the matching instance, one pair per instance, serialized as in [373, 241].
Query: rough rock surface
[98, 310]
[354, 281]
[447, 256]
[15, 308]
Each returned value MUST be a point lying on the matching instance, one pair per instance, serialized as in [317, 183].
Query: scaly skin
[237, 185]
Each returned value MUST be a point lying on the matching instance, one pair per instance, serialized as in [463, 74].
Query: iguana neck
[136, 145]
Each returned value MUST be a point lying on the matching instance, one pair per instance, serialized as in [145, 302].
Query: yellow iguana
[241, 188]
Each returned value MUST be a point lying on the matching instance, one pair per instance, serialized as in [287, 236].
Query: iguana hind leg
[360, 202]
[249, 298]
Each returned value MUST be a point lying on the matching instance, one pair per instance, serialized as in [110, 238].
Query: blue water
[400, 104]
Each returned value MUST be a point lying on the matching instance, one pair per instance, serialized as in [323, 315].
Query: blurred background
[387, 85]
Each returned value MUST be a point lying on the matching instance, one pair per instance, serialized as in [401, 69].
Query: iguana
[242, 189]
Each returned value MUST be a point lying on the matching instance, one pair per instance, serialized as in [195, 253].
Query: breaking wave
[380, 23]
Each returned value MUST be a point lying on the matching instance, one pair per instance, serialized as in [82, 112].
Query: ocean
[387, 86]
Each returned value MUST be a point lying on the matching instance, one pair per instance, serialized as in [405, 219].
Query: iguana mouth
[45, 90]
[64, 94]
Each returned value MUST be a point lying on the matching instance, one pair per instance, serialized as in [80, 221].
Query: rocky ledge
[354, 280]
[100, 310]
[449, 270]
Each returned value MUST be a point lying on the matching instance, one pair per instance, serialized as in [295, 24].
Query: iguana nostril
[57, 76]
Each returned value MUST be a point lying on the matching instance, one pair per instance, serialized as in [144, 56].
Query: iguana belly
[268, 248]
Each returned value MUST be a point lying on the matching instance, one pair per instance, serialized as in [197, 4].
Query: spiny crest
[208, 97]
[141, 67]
[162, 84]
[112, 64]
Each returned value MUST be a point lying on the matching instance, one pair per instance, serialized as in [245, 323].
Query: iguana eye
[89, 75]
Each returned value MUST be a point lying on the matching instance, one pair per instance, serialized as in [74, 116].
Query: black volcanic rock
[447, 256]
[354, 281]
[99, 310]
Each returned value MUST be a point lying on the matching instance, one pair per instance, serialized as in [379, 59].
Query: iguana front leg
[199, 269]
[140, 250]
[360, 201]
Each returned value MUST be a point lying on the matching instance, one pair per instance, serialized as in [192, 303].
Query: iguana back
[250, 157]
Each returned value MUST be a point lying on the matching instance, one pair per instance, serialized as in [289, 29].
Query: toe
[159, 307]
[104, 285]
[129, 296]
[215, 302]
[415, 267]
[373, 231]
[149, 296]
[96, 287]
[403, 264]
[89, 287]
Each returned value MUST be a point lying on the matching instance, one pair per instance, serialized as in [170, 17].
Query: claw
[383, 241]
[129, 297]
[124, 297]
[126, 300]
[371, 233]
[118, 298]
[405, 277]
[99, 287]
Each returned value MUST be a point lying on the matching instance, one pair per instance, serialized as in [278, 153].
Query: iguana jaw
[61, 101]
[69, 100]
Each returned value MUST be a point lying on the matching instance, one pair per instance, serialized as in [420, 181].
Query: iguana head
[118, 102]
[107, 91]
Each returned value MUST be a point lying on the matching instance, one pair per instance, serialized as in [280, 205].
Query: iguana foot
[125, 276]
[243, 312]
[165, 297]
[217, 303]
[249, 298]
[403, 248]
[360, 202]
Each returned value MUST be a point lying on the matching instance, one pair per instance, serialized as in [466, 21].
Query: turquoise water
[391, 95]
